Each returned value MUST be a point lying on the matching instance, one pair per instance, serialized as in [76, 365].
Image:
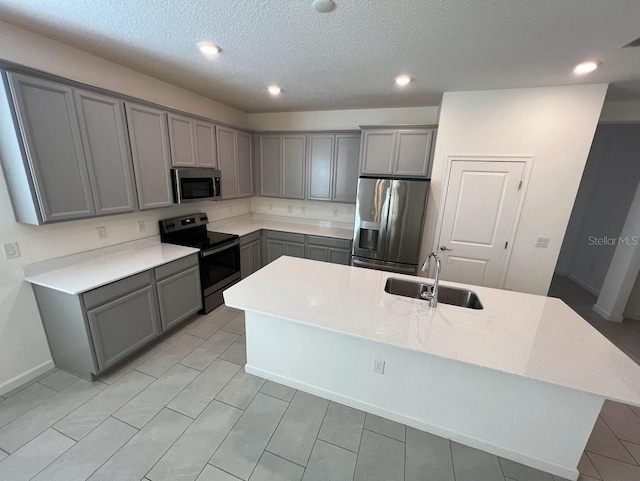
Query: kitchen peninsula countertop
[536, 337]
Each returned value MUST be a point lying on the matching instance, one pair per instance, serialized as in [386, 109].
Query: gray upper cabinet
[377, 151]
[235, 162]
[345, 170]
[402, 153]
[320, 159]
[206, 154]
[49, 127]
[244, 164]
[293, 166]
[413, 152]
[151, 158]
[182, 139]
[106, 147]
[270, 155]
[226, 141]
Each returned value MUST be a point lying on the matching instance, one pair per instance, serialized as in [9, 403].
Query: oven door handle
[220, 249]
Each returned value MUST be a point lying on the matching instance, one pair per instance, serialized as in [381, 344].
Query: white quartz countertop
[533, 336]
[246, 225]
[104, 269]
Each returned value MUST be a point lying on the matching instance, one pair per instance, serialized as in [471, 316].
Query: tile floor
[186, 410]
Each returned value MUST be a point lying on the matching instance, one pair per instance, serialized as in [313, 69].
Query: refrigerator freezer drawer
[385, 266]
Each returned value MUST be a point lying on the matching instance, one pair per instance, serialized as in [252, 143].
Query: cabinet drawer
[112, 291]
[285, 236]
[329, 242]
[249, 238]
[167, 270]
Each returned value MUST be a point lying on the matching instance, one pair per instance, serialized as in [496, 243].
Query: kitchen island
[524, 378]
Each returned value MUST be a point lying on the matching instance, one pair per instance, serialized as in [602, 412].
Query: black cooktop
[191, 231]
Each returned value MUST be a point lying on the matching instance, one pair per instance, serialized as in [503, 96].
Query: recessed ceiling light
[208, 49]
[403, 80]
[586, 67]
[274, 89]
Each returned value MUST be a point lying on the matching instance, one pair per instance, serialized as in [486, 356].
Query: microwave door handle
[220, 249]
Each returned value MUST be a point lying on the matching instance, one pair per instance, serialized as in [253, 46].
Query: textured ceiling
[349, 57]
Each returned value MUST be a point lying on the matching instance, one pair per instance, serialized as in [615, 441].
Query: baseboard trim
[584, 285]
[607, 315]
[534, 462]
[24, 378]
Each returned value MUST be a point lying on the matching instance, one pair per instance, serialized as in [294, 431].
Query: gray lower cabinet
[151, 158]
[250, 254]
[327, 249]
[397, 152]
[122, 326]
[90, 332]
[54, 171]
[179, 297]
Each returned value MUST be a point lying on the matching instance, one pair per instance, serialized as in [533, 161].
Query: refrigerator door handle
[384, 223]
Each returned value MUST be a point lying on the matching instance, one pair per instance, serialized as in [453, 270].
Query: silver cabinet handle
[445, 248]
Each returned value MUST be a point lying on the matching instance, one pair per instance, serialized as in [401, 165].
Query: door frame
[528, 161]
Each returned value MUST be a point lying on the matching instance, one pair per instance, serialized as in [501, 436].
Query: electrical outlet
[335, 212]
[141, 227]
[230, 209]
[378, 366]
[270, 206]
[289, 209]
[303, 209]
[542, 242]
[11, 251]
[102, 232]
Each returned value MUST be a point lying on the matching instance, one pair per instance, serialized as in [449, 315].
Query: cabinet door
[179, 297]
[256, 256]
[345, 170]
[376, 154]
[151, 159]
[246, 262]
[206, 154]
[182, 141]
[320, 166]
[124, 325]
[275, 249]
[317, 253]
[339, 256]
[294, 249]
[226, 143]
[270, 152]
[53, 146]
[245, 164]
[412, 152]
[104, 137]
[293, 166]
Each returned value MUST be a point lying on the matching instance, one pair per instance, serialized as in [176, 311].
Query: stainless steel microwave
[195, 184]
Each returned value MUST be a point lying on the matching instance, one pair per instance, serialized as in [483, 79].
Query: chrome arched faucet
[432, 296]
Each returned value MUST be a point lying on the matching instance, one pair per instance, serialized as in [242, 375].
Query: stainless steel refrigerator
[388, 227]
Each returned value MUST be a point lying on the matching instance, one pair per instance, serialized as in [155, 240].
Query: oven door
[194, 185]
[220, 267]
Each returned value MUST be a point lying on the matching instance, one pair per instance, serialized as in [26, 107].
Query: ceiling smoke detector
[323, 6]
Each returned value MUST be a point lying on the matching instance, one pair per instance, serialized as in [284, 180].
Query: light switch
[11, 251]
[542, 242]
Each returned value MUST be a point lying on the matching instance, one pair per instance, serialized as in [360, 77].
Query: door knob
[445, 248]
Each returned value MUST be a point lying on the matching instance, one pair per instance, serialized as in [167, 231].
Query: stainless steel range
[219, 254]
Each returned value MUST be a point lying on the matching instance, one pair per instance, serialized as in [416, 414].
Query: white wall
[42, 53]
[555, 125]
[343, 119]
[23, 347]
[606, 191]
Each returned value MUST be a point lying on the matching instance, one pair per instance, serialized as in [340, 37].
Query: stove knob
[171, 225]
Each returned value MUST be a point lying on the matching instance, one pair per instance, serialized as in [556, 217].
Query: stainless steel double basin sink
[446, 295]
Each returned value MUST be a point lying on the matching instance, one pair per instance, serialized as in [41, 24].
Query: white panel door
[479, 213]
